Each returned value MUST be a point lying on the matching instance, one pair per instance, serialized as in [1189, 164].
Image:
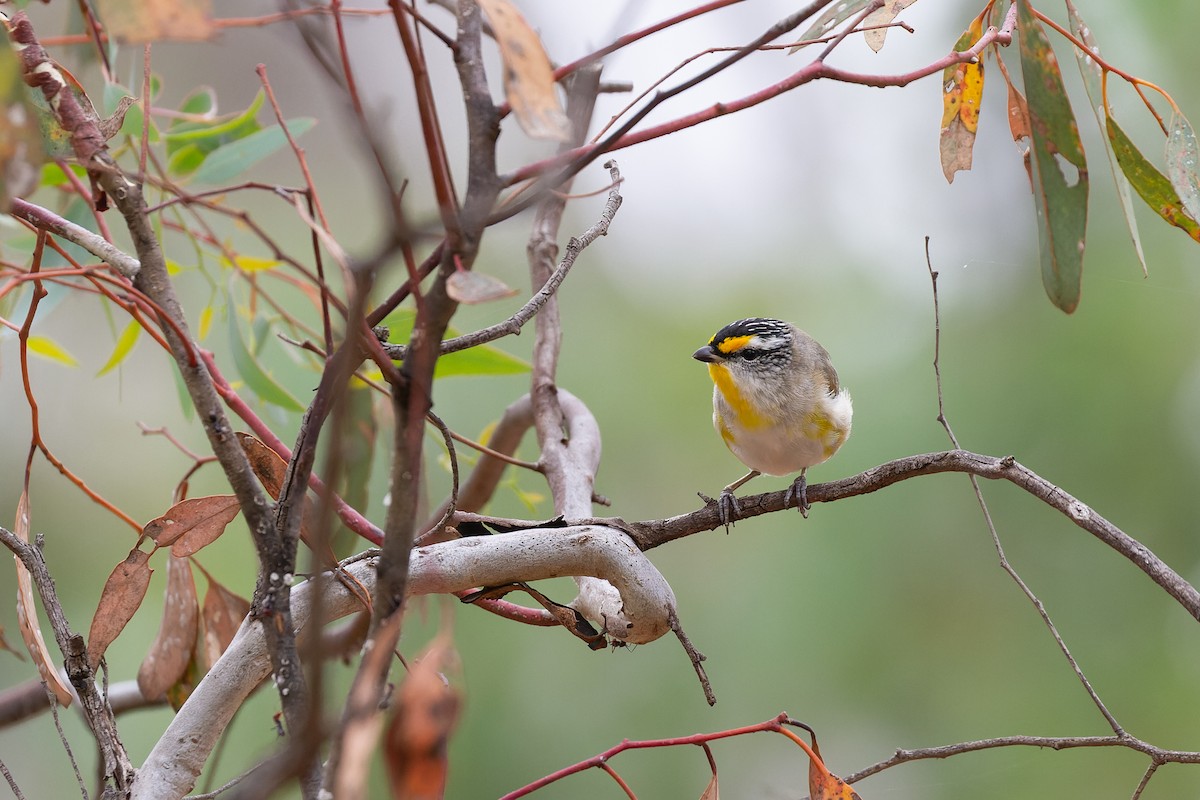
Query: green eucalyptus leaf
[230, 160]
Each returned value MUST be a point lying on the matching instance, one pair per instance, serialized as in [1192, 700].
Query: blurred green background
[883, 621]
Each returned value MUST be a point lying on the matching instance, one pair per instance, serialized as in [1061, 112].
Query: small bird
[777, 403]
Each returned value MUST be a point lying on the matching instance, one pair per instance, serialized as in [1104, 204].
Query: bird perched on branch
[777, 403]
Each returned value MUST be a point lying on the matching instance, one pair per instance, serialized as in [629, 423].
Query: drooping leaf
[1093, 83]
[205, 324]
[125, 343]
[254, 375]
[171, 650]
[882, 16]
[46, 347]
[1183, 159]
[223, 615]
[713, 790]
[835, 15]
[21, 153]
[119, 600]
[1059, 167]
[1150, 184]
[27, 616]
[271, 469]
[962, 91]
[418, 736]
[823, 784]
[230, 160]
[529, 83]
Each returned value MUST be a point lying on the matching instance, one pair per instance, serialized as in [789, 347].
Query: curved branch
[657, 532]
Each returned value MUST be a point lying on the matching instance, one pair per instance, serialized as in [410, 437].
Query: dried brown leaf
[27, 618]
[223, 615]
[713, 790]
[415, 749]
[268, 465]
[529, 83]
[154, 20]
[475, 287]
[167, 660]
[120, 599]
[191, 524]
[271, 469]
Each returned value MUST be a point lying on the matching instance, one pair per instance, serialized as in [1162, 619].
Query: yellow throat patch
[745, 414]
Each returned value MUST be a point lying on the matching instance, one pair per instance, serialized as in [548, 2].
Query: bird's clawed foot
[728, 508]
[798, 491]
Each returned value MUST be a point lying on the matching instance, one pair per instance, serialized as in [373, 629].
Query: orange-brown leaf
[27, 619]
[271, 469]
[122, 595]
[419, 733]
[167, 660]
[153, 20]
[529, 81]
[713, 790]
[193, 524]
[268, 465]
[223, 615]
[823, 784]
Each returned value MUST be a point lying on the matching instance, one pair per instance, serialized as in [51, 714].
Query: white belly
[783, 450]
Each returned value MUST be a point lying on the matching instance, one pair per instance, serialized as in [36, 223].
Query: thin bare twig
[1005, 565]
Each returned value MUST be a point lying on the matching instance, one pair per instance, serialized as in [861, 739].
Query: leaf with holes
[1150, 184]
[121, 597]
[1182, 157]
[167, 661]
[529, 81]
[962, 91]
[1059, 167]
[835, 15]
[1093, 82]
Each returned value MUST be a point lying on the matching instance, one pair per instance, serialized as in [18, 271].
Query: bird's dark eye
[750, 353]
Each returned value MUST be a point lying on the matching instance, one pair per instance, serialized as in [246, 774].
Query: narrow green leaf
[208, 136]
[46, 347]
[253, 374]
[1058, 166]
[1149, 183]
[230, 160]
[185, 161]
[125, 343]
[482, 360]
[1182, 158]
[1092, 77]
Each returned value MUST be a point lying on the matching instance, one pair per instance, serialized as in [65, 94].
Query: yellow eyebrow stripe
[733, 344]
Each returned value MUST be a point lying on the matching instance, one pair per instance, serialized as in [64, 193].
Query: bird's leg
[799, 492]
[728, 504]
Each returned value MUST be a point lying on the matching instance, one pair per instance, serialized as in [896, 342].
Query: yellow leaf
[962, 92]
[251, 264]
[125, 343]
[46, 347]
[205, 322]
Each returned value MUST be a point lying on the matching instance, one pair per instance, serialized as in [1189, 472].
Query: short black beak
[707, 353]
